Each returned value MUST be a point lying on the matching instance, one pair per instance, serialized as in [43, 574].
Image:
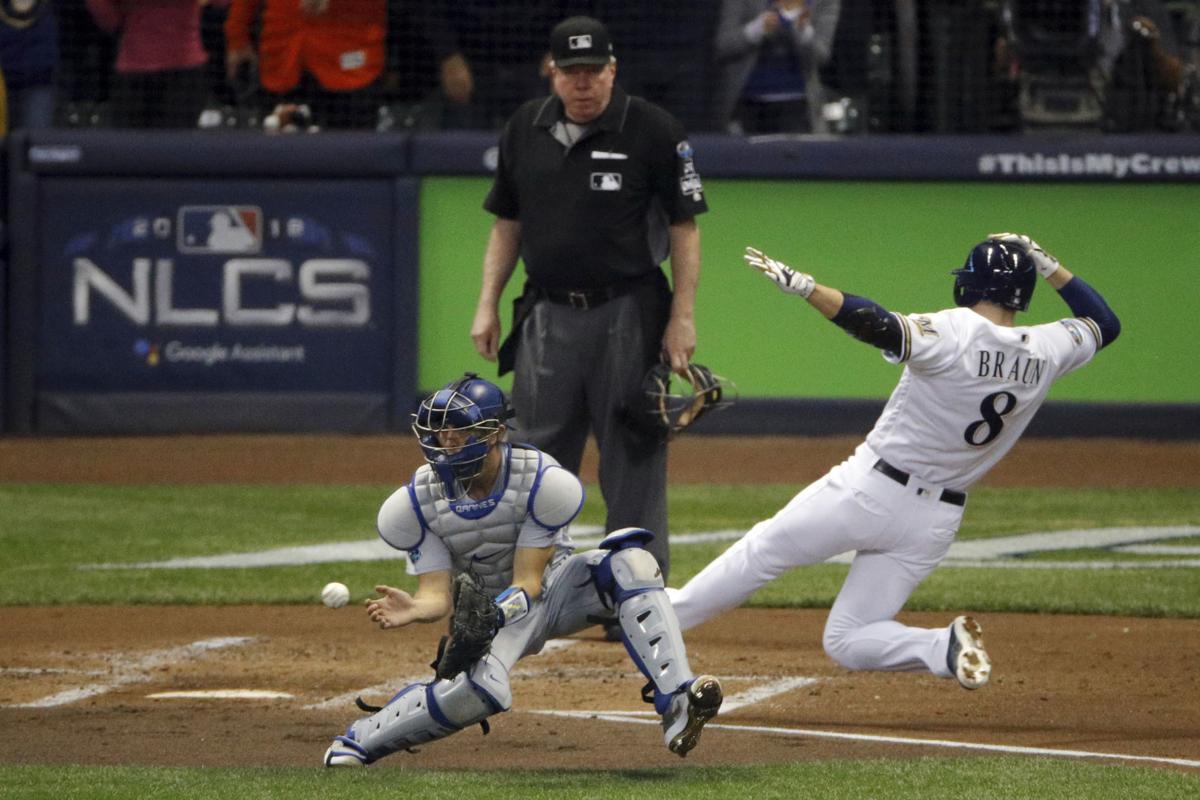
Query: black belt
[901, 477]
[583, 299]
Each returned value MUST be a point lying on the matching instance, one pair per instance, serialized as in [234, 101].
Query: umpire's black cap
[580, 40]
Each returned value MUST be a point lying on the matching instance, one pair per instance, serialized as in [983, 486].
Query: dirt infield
[1100, 462]
[1108, 685]
[1090, 684]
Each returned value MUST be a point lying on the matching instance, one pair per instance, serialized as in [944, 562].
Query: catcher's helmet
[457, 426]
[669, 403]
[997, 272]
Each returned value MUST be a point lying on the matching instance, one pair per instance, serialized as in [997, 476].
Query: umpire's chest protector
[481, 535]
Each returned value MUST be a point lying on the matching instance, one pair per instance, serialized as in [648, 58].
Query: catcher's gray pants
[424, 712]
[575, 370]
[568, 605]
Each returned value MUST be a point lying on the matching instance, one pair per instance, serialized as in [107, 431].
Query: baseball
[335, 595]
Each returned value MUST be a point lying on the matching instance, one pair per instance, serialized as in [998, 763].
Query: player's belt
[901, 477]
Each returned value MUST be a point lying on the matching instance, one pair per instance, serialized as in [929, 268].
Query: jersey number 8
[993, 418]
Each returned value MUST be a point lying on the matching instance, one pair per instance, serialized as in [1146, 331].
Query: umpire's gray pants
[574, 372]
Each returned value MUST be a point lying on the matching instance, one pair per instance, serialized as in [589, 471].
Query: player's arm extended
[397, 608]
[863, 319]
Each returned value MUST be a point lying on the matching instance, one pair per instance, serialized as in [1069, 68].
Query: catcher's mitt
[472, 626]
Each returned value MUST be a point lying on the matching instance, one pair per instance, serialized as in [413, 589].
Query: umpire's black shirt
[594, 213]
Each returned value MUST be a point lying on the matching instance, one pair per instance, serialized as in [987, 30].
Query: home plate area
[270, 685]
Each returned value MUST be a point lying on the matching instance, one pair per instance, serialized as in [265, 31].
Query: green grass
[46, 530]
[919, 779]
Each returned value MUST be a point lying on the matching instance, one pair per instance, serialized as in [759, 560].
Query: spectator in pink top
[160, 79]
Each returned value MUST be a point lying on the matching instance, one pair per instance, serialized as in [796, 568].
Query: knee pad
[626, 573]
[423, 712]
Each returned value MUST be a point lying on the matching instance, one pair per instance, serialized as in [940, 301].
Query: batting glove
[1045, 264]
[788, 279]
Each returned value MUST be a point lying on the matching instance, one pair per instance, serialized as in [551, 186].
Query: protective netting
[742, 66]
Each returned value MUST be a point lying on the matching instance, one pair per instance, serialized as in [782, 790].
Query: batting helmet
[997, 272]
[670, 403]
[457, 426]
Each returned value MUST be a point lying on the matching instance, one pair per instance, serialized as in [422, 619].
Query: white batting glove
[1045, 264]
[788, 279]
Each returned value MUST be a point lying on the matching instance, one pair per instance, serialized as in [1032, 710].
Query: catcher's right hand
[786, 278]
[1045, 264]
[394, 609]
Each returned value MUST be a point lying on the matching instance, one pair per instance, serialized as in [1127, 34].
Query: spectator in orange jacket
[328, 54]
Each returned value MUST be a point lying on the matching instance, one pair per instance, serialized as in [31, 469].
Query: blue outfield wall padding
[3, 276]
[21, 300]
[163, 413]
[216, 154]
[405, 300]
[372, 181]
[174, 291]
[1046, 157]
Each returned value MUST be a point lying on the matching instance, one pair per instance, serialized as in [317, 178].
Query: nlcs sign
[319, 282]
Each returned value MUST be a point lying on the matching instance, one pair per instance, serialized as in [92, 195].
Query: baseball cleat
[345, 752]
[966, 658]
[703, 701]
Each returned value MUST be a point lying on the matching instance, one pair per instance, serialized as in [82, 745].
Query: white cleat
[703, 700]
[966, 657]
[345, 752]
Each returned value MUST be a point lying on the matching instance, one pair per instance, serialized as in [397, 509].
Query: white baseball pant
[900, 533]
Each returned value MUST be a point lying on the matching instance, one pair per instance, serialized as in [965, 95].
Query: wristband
[511, 606]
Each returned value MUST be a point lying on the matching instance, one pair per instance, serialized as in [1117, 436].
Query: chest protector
[481, 535]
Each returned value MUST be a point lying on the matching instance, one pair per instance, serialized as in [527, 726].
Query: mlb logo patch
[220, 229]
[606, 181]
[581, 42]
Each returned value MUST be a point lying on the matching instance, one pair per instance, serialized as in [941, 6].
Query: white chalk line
[50, 671]
[617, 716]
[755, 694]
[221, 694]
[1160, 549]
[758, 694]
[126, 671]
[1003, 551]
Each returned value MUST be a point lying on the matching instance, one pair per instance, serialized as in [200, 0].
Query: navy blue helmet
[457, 426]
[998, 272]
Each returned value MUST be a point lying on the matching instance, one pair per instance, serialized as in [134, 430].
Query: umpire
[593, 190]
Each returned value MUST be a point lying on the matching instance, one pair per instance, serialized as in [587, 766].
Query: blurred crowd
[737, 66]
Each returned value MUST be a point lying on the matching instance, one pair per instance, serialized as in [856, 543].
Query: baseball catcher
[484, 523]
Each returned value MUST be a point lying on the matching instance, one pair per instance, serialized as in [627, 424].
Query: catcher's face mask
[457, 427]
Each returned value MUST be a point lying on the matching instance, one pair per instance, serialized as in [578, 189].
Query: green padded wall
[894, 242]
